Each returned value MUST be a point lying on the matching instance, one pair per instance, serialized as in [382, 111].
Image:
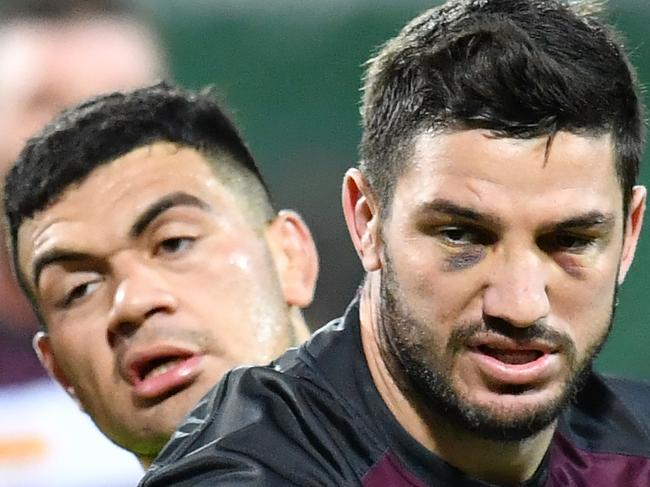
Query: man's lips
[511, 356]
[160, 370]
[503, 360]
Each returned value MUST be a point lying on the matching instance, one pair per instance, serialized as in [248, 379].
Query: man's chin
[145, 432]
[508, 413]
[513, 400]
[147, 450]
[509, 417]
[146, 440]
[501, 413]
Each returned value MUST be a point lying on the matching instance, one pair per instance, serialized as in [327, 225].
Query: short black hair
[108, 126]
[519, 68]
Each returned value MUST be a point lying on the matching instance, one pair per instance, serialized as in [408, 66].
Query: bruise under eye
[464, 259]
[572, 265]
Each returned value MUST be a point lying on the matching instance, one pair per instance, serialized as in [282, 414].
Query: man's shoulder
[635, 390]
[249, 397]
[610, 415]
[283, 424]
[300, 375]
[629, 397]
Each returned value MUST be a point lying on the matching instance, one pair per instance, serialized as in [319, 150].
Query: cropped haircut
[518, 68]
[106, 127]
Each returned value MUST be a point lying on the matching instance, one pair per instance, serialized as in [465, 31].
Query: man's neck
[504, 463]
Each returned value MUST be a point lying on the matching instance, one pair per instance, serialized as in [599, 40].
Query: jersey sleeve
[217, 466]
[261, 428]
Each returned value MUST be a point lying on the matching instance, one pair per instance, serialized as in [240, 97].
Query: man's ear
[295, 257]
[362, 218]
[633, 224]
[43, 348]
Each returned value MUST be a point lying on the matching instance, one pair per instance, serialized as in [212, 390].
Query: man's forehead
[119, 192]
[159, 160]
[161, 148]
[477, 170]
[136, 179]
[483, 153]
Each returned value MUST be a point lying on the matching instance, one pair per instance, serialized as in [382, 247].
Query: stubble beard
[424, 376]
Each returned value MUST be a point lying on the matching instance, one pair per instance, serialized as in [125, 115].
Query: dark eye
[464, 236]
[573, 242]
[78, 292]
[459, 235]
[567, 242]
[175, 245]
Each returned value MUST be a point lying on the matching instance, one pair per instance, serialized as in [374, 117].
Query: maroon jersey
[315, 418]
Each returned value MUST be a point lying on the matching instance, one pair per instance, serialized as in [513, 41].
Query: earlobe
[633, 224]
[362, 218]
[43, 349]
[295, 256]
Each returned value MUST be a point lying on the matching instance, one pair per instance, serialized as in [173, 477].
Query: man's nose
[140, 293]
[517, 290]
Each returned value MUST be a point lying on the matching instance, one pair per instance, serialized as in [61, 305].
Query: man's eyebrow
[449, 208]
[159, 206]
[54, 256]
[162, 205]
[588, 220]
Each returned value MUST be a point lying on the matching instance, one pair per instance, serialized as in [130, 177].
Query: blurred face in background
[45, 67]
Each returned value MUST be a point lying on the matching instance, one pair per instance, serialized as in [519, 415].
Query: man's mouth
[161, 371]
[156, 367]
[505, 361]
[510, 356]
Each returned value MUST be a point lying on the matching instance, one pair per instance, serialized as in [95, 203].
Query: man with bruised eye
[144, 235]
[496, 213]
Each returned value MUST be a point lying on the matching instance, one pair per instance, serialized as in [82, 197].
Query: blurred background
[290, 70]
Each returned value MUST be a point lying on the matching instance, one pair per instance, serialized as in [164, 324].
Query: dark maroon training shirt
[315, 418]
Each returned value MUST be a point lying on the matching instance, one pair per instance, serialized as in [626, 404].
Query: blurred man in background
[54, 53]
